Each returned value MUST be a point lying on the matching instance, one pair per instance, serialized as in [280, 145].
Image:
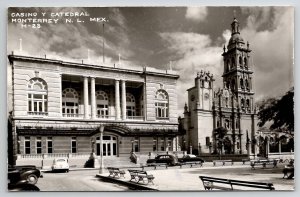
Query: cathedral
[223, 121]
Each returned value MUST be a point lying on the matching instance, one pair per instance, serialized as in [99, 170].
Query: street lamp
[101, 169]
[92, 147]
[132, 141]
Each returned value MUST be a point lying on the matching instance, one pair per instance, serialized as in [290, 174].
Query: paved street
[172, 179]
[83, 180]
[187, 179]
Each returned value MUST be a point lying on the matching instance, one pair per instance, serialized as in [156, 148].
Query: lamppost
[93, 150]
[101, 169]
[132, 141]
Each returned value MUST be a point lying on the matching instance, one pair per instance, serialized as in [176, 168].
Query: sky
[191, 38]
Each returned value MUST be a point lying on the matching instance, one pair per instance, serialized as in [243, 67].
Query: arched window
[130, 105]
[162, 104]
[227, 66]
[242, 103]
[227, 84]
[233, 62]
[70, 100]
[247, 103]
[241, 61]
[226, 124]
[246, 84]
[246, 63]
[242, 83]
[37, 97]
[218, 123]
[102, 104]
[233, 84]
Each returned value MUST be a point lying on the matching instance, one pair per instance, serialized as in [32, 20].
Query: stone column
[93, 98]
[117, 99]
[86, 96]
[123, 84]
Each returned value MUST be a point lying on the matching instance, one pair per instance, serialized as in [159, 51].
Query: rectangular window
[40, 107]
[136, 144]
[38, 145]
[35, 106]
[27, 145]
[154, 144]
[38, 96]
[29, 106]
[114, 149]
[74, 144]
[207, 141]
[170, 143]
[46, 106]
[49, 145]
[106, 137]
[162, 144]
[162, 110]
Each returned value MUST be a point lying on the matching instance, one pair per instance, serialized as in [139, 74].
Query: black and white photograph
[150, 98]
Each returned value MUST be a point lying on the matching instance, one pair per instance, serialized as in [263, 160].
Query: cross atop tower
[235, 27]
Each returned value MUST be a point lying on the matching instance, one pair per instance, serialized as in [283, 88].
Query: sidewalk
[187, 179]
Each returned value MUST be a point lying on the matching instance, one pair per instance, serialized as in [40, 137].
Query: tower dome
[236, 38]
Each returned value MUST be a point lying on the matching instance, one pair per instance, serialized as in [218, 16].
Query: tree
[279, 112]
[220, 133]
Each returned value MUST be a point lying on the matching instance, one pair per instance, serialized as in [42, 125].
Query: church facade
[223, 121]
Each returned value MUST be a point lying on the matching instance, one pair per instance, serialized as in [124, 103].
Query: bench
[222, 161]
[191, 163]
[155, 165]
[115, 172]
[140, 175]
[264, 163]
[211, 183]
[288, 172]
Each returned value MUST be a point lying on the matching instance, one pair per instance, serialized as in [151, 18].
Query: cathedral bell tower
[238, 74]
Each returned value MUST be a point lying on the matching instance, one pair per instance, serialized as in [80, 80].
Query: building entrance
[109, 145]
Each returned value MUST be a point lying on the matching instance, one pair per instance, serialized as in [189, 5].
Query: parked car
[27, 174]
[168, 159]
[190, 158]
[60, 164]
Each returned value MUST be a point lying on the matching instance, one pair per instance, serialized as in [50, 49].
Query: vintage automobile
[190, 158]
[163, 159]
[27, 174]
[60, 164]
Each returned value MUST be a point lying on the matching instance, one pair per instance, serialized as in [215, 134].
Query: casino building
[57, 108]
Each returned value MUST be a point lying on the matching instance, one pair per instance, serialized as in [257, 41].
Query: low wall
[209, 158]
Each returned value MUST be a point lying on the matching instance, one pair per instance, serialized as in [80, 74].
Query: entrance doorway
[109, 145]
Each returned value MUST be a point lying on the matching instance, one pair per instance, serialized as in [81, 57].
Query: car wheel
[32, 179]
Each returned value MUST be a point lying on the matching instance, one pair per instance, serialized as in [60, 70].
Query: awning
[121, 130]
